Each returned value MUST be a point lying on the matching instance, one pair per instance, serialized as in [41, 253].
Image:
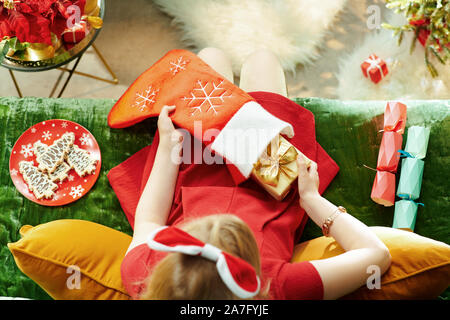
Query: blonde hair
[180, 276]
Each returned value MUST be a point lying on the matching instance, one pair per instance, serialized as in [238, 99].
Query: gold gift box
[277, 169]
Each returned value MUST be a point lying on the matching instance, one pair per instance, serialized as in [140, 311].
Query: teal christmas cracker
[410, 178]
[405, 214]
[417, 142]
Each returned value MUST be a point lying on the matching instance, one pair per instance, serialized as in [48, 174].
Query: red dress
[203, 189]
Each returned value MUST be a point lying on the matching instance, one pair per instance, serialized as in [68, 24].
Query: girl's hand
[169, 136]
[308, 179]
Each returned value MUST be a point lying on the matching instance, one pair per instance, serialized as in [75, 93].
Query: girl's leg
[217, 59]
[263, 72]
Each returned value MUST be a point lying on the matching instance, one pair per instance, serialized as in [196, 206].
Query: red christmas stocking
[210, 107]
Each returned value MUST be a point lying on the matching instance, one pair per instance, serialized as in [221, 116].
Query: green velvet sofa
[348, 131]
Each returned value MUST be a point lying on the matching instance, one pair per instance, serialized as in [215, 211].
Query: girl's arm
[349, 271]
[156, 199]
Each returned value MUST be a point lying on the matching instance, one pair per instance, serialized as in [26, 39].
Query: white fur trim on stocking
[247, 134]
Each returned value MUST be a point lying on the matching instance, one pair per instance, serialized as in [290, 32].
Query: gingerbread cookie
[39, 148]
[61, 172]
[37, 181]
[54, 155]
[81, 161]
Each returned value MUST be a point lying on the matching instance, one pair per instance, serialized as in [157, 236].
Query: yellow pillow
[47, 253]
[420, 267]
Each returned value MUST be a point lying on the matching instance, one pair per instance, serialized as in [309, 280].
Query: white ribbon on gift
[374, 63]
[77, 26]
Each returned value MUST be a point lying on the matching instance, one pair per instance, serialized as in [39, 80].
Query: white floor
[135, 36]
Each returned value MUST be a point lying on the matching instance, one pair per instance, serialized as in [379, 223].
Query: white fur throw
[292, 29]
[408, 76]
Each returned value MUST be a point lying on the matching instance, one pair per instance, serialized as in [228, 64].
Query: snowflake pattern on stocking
[178, 65]
[209, 96]
[76, 192]
[146, 98]
[14, 172]
[27, 150]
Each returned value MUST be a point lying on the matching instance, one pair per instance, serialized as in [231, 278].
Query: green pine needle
[436, 54]
[430, 66]
[400, 38]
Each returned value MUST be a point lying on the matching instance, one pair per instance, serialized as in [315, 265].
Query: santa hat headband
[238, 275]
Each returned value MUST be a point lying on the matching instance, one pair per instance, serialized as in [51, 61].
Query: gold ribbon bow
[274, 161]
[94, 22]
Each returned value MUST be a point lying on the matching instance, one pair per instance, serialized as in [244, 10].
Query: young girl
[222, 244]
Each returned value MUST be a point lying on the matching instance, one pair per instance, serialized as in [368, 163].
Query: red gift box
[388, 155]
[375, 68]
[76, 33]
[383, 189]
[395, 117]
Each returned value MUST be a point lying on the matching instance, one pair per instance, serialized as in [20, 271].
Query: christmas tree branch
[429, 20]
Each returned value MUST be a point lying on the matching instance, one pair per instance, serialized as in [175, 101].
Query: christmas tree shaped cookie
[37, 181]
[61, 172]
[54, 155]
[39, 148]
[81, 161]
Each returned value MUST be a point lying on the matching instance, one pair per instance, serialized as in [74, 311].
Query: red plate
[74, 187]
